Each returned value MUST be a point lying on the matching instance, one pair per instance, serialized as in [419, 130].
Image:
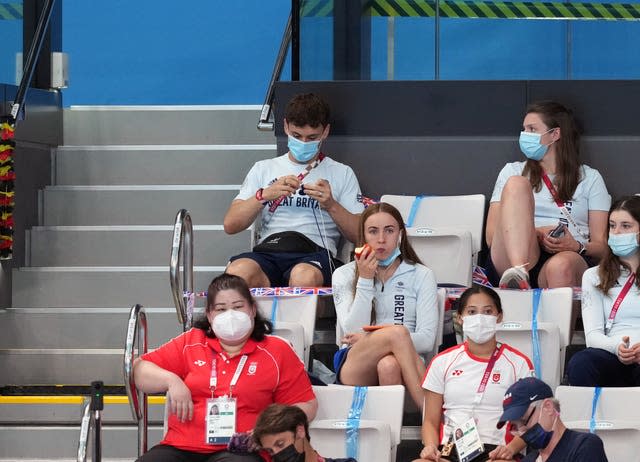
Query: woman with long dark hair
[547, 220]
[464, 386]
[385, 286]
[227, 360]
[611, 307]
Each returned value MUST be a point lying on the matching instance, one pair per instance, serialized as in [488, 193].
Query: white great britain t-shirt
[591, 194]
[456, 374]
[301, 213]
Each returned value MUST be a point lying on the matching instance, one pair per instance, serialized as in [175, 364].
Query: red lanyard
[487, 373]
[619, 299]
[552, 190]
[213, 378]
[561, 206]
[276, 203]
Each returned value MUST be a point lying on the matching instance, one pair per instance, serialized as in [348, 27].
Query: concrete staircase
[103, 245]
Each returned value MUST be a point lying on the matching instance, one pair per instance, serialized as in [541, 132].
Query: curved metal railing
[266, 116]
[182, 255]
[92, 421]
[136, 334]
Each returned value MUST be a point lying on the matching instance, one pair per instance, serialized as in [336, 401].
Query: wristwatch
[583, 248]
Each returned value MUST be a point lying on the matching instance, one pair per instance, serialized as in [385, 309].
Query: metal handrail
[17, 109]
[92, 420]
[266, 115]
[136, 333]
[182, 251]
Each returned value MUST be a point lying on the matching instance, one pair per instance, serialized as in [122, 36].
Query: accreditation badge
[467, 439]
[220, 420]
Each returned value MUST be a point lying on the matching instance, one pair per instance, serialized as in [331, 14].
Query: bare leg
[361, 366]
[564, 269]
[514, 240]
[250, 271]
[305, 275]
[389, 372]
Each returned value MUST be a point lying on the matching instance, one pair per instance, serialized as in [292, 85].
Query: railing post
[266, 117]
[136, 331]
[182, 251]
[96, 407]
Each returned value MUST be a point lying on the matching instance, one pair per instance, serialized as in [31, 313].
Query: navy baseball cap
[520, 395]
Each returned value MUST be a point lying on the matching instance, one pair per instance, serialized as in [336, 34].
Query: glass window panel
[10, 38]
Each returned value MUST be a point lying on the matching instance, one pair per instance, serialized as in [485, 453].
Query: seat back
[291, 309]
[555, 307]
[462, 213]
[381, 413]
[554, 322]
[294, 333]
[518, 335]
[617, 421]
[447, 251]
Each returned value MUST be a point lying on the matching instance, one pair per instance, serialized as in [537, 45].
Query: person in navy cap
[534, 415]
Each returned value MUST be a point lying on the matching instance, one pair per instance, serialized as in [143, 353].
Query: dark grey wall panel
[604, 107]
[407, 108]
[466, 108]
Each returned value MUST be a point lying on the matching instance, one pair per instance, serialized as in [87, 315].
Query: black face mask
[288, 454]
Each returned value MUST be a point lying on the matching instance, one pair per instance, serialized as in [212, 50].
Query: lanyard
[535, 338]
[414, 210]
[353, 421]
[594, 407]
[276, 203]
[561, 206]
[618, 302]
[213, 379]
[487, 373]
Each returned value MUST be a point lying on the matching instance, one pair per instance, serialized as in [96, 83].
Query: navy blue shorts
[278, 265]
[338, 361]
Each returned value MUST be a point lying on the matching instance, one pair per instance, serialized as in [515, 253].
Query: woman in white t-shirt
[611, 307]
[465, 385]
[547, 220]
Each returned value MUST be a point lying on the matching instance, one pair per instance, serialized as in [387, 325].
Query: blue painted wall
[222, 52]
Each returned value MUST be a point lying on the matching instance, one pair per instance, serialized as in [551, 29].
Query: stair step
[52, 410]
[108, 125]
[130, 205]
[48, 366]
[79, 287]
[81, 327]
[151, 164]
[96, 327]
[56, 442]
[128, 245]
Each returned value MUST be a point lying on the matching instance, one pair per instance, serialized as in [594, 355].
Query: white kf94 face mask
[479, 328]
[232, 325]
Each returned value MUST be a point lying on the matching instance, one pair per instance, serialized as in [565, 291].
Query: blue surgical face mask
[537, 437]
[301, 151]
[530, 145]
[390, 259]
[623, 245]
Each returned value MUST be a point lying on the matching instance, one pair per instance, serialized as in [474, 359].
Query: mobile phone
[557, 231]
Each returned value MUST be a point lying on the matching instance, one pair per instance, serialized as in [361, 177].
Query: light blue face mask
[301, 151]
[623, 245]
[390, 259]
[530, 145]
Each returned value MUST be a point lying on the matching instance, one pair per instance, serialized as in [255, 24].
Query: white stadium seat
[554, 326]
[379, 426]
[617, 421]
[295, 315]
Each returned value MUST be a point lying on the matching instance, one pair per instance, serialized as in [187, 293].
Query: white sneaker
[515, 277]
